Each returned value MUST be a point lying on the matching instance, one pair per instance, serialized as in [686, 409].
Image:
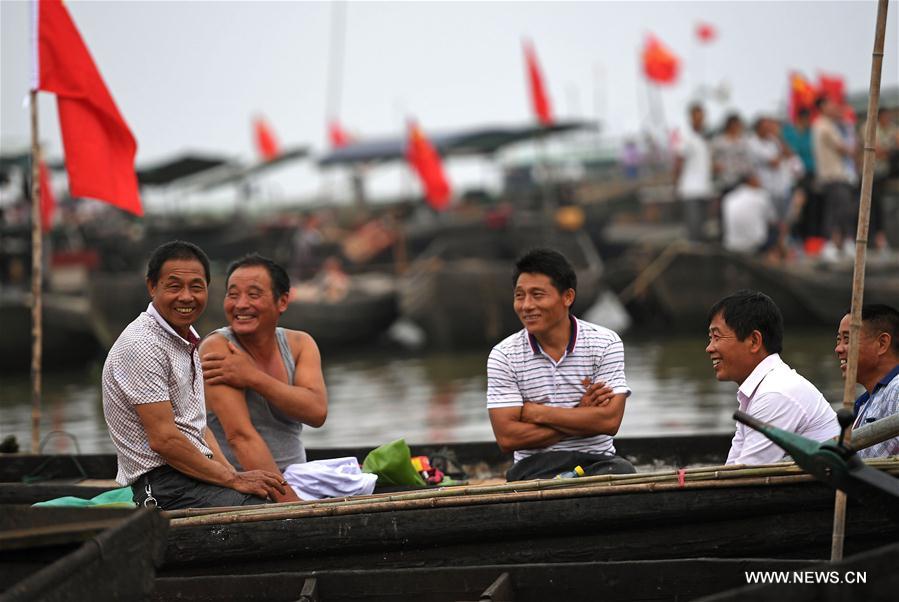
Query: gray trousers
[174, 490]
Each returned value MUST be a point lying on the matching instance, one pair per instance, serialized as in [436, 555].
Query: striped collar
[864, 397]
[535, 346]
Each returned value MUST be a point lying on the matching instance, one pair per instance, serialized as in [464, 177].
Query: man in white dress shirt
[745, 341]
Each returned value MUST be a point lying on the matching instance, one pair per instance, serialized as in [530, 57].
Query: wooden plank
[309, 593]
[53, 535]
[784, 521]
[21, 493]
[500, 590]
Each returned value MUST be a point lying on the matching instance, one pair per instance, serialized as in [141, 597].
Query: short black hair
[550, 263]
[175, 249]
[731, 119]
[745, 311]
[695, 106]
[279, 277]
[877, 318]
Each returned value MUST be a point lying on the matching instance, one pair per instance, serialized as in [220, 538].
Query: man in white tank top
[263, 383]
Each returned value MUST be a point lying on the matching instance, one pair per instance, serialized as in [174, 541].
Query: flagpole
[861, 249]
[36, 278]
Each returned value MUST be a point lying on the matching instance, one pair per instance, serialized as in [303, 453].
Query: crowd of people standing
[780, 188]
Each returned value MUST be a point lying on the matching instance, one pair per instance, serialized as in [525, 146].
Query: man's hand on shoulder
[261, 483]
[224, 364]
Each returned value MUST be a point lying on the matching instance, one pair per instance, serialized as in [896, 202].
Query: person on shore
[730, 155]
[878, 370]
[263, 382]
[745, 341]
[749, 218]
[833, 177]
[556, 389]
[693, 174]
[153, 398]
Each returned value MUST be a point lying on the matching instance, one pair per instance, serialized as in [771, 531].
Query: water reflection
[381, 396]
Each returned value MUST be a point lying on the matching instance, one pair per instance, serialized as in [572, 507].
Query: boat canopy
[477, 141]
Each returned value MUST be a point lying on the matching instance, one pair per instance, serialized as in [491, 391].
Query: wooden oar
[861, 248]
[875, 432]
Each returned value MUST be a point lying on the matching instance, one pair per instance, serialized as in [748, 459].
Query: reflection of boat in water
[460, 289]
[367, 310]
[676, 287]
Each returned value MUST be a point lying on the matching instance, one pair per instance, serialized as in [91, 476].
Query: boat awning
[479, 141]
[175, 169]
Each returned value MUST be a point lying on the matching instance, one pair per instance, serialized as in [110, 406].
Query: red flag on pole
[833, 87]
[706, 32]
[266, 143]
[802, 96]
[48, 200]
[99, 147]
[425, 160]
[539, 98]
[337, 135]
[659, 64]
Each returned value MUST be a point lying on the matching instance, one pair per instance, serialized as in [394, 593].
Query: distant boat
[459, 290]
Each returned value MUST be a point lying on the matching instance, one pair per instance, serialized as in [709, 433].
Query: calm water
[384, 395]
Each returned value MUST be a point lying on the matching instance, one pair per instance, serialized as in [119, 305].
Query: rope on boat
[543, 489]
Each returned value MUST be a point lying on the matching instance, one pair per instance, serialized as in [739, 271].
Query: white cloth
[150, 363]
[746, 215]
[777, 394]
[696, 174]
[518, 370]
[335, 477]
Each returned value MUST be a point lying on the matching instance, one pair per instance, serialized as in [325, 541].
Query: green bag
[392, 462]
[115, 498]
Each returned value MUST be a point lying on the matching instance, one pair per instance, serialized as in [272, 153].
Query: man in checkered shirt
[153, 397]
[556, 389]
[878, 370]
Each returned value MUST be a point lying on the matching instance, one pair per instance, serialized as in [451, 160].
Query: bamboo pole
[36, 278]
[861, 248]
[509, 493]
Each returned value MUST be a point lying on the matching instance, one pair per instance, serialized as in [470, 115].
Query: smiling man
[878, 370]
[153, 397]
[263, 382]
[745, 341]
[556, 389]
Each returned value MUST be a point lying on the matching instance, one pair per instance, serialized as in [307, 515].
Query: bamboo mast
[36, 278]
[861, 248]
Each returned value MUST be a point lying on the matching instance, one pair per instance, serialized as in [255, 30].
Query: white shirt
[777, 394]
[518, 370]
[696, 174]
[746, 214]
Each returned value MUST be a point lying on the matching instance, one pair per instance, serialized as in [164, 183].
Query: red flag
[833, 87]
[706, 32]
[427, 164]
[266, 143]
[339, 138]
[659, 64]
[539, 99]
[48, 201]
[802, 95]
[99, 147]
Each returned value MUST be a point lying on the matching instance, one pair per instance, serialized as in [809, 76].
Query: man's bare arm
[166, 440]
[230, 407]
[604, 419]
[304, 400]
[513, 434]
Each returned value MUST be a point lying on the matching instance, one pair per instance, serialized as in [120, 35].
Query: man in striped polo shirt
[556, 389]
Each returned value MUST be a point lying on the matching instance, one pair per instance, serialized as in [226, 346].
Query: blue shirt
[883, 401]
[801, 143]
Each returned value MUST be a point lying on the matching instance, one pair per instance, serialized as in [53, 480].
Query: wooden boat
[459, 290]
[30, 478]
[676, 287]
[79, 554]
[367, 311]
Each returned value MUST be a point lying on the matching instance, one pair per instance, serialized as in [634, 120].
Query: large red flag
[339, 138]
[539, 98]
[833, 87]
[427, 164]
[48, 200]
[266, 143]
[99, 147]
[659, 64]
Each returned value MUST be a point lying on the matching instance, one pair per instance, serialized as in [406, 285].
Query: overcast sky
[190, 75]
